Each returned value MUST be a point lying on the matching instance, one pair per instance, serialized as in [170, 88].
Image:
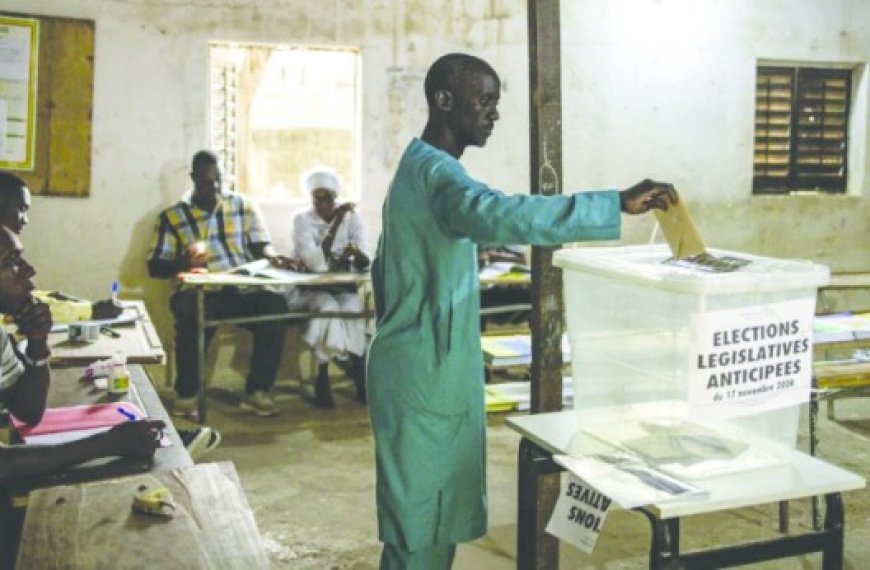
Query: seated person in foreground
[14, 204]
[216, 230]
[331, 237]
[24, 378]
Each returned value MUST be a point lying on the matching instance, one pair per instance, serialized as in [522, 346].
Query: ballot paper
[687, 247]
[680, 231]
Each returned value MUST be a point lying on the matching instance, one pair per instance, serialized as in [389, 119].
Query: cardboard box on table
[700, 372]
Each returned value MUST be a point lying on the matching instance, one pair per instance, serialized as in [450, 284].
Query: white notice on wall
[750, 359]
[579, 514]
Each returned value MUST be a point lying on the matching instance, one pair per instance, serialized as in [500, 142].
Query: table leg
[538, 489]
[832, 553]
[200, 352]
[814, 442]
[783, 517]
[664, 548]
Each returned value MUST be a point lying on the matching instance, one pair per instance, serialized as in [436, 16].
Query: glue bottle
[119, 376]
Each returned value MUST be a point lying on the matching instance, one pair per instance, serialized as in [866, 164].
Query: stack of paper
[627, 479]
[841, 327]
[514, 350]
[508, 396]
[504, 271]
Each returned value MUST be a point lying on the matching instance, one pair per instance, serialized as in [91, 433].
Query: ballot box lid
[647, 265]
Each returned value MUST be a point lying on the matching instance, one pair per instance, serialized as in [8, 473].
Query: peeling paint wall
[150, 112]
[660, 88]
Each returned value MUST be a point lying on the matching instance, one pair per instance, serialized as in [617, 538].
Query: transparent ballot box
[690, 367]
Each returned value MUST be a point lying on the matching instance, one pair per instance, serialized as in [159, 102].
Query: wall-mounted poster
[19, 41]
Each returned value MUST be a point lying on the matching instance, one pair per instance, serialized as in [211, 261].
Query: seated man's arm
[25, 377]
[163, 269]
[305, 246]
[167, 258]
[267, 250]
[358, 242]
[130, 439]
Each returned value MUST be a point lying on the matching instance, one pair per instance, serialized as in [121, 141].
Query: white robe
[328, 338]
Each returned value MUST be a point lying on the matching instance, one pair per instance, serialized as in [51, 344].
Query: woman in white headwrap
[331, 237]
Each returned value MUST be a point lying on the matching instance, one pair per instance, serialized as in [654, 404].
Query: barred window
[801, 127]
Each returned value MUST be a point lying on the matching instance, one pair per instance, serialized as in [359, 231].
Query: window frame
[229, 157]
[801, 176]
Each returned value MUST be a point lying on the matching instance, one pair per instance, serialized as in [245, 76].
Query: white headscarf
[321, 178]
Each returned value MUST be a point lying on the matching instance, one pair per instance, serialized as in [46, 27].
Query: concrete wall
[666, 89]
[659, 88]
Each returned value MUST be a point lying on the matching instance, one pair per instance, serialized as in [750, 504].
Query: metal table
[802, 476]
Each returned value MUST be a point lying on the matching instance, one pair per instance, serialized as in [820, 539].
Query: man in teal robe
[425, 369]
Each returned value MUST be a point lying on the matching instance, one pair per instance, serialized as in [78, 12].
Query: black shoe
[358, 375]
[322, 391]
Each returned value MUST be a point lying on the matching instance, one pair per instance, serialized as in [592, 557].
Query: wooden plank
[93, 526]
[535, 548]
[545, 104]
[64, 108]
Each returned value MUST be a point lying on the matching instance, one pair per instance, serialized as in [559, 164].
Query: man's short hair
[10, 183]
[10, 188]
[453, 73]
[203, 158]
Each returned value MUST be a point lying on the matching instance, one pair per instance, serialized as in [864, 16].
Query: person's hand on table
[195, 255]
[646, 195]
[285, 262]
[105, 309]
[136, 439]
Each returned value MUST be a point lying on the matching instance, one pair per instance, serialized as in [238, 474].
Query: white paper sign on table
[579, 514]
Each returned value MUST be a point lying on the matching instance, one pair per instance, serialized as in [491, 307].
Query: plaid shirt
[228, 232]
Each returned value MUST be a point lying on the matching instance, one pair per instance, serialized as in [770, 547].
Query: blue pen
[115, 289]
[129, 415]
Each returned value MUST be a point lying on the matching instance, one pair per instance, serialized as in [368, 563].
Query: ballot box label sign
[750, 359]
[579, 514]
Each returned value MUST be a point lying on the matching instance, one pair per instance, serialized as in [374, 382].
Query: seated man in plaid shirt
[218, 230]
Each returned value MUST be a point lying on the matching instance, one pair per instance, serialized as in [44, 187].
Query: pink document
[79, 418]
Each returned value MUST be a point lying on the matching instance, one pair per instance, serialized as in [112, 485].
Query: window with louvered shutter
[801, 126]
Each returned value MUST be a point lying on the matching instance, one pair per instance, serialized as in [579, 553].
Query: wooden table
[68, 389]
[801, 476]
[138, 340]
[211, 281]
[92, 525]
